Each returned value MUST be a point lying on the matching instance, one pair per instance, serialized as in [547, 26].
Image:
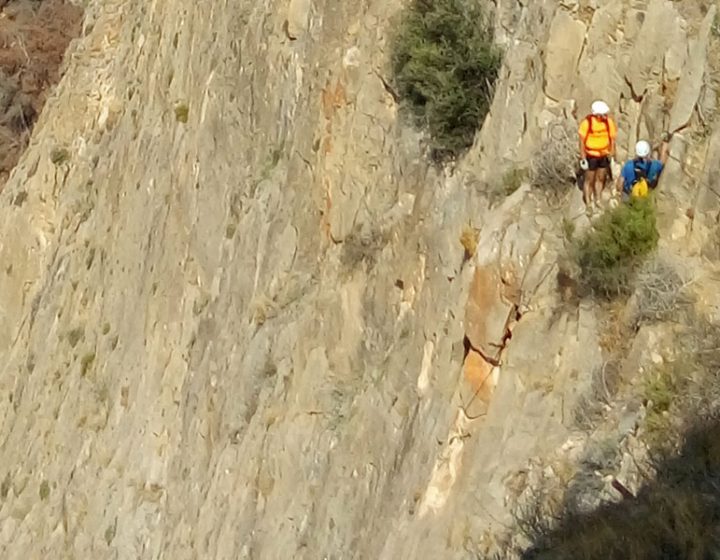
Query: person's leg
[600, 178]
[587, 188]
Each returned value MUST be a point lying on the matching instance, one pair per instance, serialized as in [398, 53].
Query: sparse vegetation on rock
[660, 292]
[553, 167]
[181, 112]
[363, 247]
[675, 513]
[674, 517]
[469, 240]
[513, 179]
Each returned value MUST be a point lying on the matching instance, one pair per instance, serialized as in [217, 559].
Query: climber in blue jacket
[642, 173]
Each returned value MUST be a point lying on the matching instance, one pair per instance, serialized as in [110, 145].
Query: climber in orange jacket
[597, 146]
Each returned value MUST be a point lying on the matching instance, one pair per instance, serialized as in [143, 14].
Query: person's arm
[613, 136]
[664, 152]
[626, 175]
[582, 133]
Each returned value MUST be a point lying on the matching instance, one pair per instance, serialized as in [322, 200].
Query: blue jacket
[651, 167]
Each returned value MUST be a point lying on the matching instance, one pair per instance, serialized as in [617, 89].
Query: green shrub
[659, 389]
[445, 65]
[609, 254]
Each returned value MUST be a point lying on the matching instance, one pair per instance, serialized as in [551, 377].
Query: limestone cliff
[236, 317]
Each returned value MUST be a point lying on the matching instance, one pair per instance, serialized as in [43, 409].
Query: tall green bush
[445, 65]
[609, 254]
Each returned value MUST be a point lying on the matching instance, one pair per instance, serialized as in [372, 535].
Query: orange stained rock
[478, 374]
[333, 98]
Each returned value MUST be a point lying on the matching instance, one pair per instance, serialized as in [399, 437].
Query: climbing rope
[464, 407]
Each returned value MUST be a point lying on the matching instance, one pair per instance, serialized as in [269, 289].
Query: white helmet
[599, 108]
[642, 149]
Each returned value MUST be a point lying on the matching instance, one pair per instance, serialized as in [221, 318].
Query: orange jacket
[598, 135]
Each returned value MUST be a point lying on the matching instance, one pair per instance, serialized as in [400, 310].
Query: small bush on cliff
[512, 180]
[611, 252]
[445, 65]
[469, 240]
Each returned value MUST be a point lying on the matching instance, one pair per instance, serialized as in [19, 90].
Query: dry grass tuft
[469, 240]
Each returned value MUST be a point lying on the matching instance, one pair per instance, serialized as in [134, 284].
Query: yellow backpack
[640, 189]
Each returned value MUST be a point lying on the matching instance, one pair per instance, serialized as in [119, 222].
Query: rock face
[565, 44]
[236, 320]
